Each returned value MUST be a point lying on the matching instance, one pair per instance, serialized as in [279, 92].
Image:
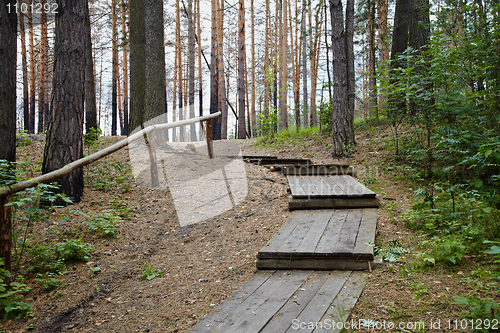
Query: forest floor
[204, 263]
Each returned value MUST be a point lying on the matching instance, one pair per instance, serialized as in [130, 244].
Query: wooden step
[331, 203]
[281, 161]
[342, 186]
[322, 239]
[318, 170]
[278, 301]
[258, 157]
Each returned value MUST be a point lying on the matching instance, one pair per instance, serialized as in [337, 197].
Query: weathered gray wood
[296, 186]
[357, 186]
[254, 313]
[331, 203]
[258, 157]
[323, 264]
[318, 170]
[335, 189]
[283, 161]
[282, 320]
[348, 233]
[223, 310]
[366, 232]
[311, 240]
[346, 299]
[297, 235]
[328, 187]
[331, 236]
[320, 304]
[284, 232]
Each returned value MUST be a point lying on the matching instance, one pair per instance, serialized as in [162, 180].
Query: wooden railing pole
[5, 231]
[210, 146]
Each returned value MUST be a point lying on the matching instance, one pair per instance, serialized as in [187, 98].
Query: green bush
[11, 303]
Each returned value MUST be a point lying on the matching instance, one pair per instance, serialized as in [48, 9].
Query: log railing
[7, 191]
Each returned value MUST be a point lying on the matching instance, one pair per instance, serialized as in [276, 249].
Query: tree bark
[200, 72]
[372, 81]
[42, 69]
[90, 94]
[155, 60]
[341, 126]
[351, 77]
[222, 79]
[267, 72]
[254, 83]
[125, 44]
[383, 47]
[64, 142]
[137, 65]
[32, 67]
[114, 78]
[24, 62]
[305, 97]
[400, 30]
[284, 67]
[214, 78]
[191, 24]
[241, 70]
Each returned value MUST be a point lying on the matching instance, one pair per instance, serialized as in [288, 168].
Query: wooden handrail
[10, 189]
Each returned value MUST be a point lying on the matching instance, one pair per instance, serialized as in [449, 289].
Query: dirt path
[203, 263]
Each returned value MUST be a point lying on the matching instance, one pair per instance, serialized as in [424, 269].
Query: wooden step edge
[319, 265]
[318, 170]
[314, 256]
[332, 203]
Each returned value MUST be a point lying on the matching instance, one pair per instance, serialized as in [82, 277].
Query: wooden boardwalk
[322, 239]
[278, 301]
[311, 268]
[329, 191]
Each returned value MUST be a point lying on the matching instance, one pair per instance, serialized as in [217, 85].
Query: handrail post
[5, 231]
[210, 146]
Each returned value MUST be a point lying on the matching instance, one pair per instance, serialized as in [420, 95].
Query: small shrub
[49, 281]
[73, 250]
[104, 224]
[149, 272]
[11, 298]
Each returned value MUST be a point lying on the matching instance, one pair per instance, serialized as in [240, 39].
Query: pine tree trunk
[340, 118]
[32, 67]
[222, 79]
[372, 75]
[254, 83]
[241, 70]
[214, 78]
[42, 68]
[114, 64]
[303, 36]
[267, 72]
[125, 66]
[284, 67]
[191, 24]
[24, 62]
[90, 94]
[137, 65]
[200, 72]
[383, 47]
[155, 60]
[179, 74]
[351, 76]
[64, 143]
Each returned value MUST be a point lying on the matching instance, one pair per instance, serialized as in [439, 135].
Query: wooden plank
[318, 170]
[357, 186]
[346, 299]
[321, 219]
[284, 232]
[284, 161]
[349, 232]
[335, 189]
[258, 157]
[296, 186]
[320, 304]
[222, 311]
[324, 264]
[296, 236]
[331, 235]
[282, 320]
[253, 314]
[331, 203]
[366, 232]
